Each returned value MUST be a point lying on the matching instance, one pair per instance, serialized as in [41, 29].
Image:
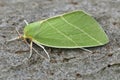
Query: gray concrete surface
[72, 64]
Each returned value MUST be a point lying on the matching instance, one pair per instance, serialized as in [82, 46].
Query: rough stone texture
[65, 64]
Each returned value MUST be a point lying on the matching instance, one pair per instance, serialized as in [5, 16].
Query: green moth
[75, 29]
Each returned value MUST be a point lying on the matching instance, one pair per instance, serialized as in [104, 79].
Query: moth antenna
[17, 31]
[86, 50]
[13, 39]
[26, 22]
[16, 38]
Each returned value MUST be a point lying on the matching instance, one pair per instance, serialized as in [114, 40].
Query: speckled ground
[65, 64]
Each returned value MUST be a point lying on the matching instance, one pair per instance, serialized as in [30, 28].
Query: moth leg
[86, 50]
[30, 47]
[36, 50]
[48, 57]
[31, 43]
[45, 51]
[21, 51]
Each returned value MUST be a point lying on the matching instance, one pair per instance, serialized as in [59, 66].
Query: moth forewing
[75, 29]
